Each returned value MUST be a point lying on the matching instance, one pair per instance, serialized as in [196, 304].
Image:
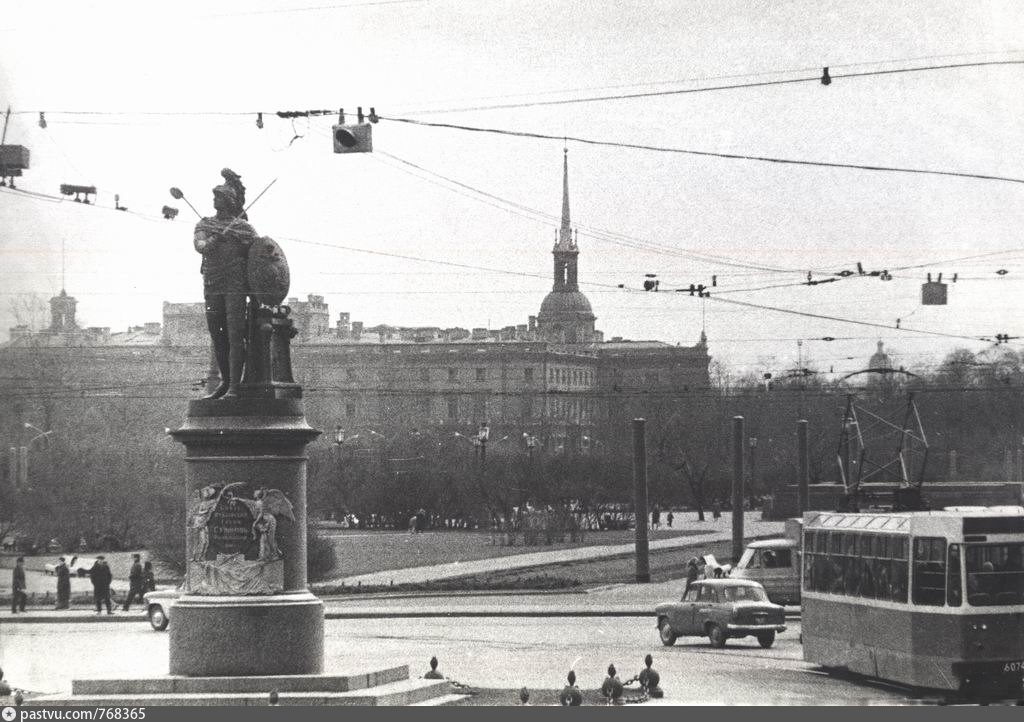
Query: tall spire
[565, 233]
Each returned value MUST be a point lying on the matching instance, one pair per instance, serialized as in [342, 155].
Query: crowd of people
[141, 579]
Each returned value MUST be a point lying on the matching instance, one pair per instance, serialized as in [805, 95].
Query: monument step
[447, 700]
[174, 684]
[393, 694]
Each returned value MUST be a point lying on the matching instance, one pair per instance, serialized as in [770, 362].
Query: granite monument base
[281, 634]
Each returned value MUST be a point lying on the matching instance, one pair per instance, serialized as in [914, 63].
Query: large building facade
[554, 379]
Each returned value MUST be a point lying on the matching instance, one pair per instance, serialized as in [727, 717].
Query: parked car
[158, 607]
[78, 566]
[721, 609]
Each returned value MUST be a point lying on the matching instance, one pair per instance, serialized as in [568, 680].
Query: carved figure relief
[234, 540]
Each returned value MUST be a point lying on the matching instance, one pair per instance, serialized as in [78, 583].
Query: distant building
[553, 377]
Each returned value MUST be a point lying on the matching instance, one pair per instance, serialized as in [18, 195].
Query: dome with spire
[880, 359]
[565, 314]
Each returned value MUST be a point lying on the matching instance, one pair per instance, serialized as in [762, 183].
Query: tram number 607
[1014, 666]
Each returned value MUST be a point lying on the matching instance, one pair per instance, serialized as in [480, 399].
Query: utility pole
[803, 481]
[643, 567]
[737, 488]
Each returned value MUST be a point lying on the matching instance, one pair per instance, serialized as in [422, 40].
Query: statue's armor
[225, 254]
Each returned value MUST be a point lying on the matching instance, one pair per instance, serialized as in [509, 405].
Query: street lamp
[40, 434]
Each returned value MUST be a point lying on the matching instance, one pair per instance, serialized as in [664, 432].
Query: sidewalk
[717, 531]
[612, 600]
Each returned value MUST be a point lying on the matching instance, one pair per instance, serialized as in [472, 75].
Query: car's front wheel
[766, 639]
[717, 636]
[158, 618]
[668, 637]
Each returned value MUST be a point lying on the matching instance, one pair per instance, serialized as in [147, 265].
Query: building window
[424, 404]
[528, 375]
[481, 374]
[350, 374]
[350, 410]
[453, 408]
[453, 374]
[425, 375]
[551, 374]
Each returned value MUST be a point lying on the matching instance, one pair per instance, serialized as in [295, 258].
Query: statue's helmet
[229, 195]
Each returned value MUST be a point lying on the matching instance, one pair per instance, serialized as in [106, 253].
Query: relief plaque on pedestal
[234, 540]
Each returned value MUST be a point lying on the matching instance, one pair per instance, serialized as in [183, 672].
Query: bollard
[274, 698]
[571, 695]
[524, 696]
[611, 688]
[649, 679]
[433, 673]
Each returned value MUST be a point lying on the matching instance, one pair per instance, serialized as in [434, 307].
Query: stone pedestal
[246, 609]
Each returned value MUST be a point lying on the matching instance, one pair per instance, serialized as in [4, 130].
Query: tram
[927, 599]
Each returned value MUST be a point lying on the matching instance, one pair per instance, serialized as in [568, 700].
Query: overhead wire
[702, 153]
[705, 78]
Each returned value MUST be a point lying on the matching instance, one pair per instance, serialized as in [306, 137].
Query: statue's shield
[268, 272]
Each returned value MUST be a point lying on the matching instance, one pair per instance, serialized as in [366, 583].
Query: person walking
[669, 519]
[101, 577]
[148, 578]
[18, 586]
[63, 585]
[135, 589]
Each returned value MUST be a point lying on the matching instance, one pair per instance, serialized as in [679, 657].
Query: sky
[447, 227]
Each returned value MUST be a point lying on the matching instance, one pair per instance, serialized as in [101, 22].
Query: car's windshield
[743, 594]
[995, 574]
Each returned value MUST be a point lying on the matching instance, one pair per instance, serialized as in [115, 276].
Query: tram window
[900, 572]
[954, 588]
[995, 574]
[821, 542]
[929, 582]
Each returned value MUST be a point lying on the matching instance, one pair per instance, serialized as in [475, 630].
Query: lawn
[362, 552]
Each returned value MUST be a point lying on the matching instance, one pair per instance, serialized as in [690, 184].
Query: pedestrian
[135, 588]
[691, 573]
[18, 596]
[669, 519]
[148, 578]
[655, 518]
[63, 584]
[101, 577]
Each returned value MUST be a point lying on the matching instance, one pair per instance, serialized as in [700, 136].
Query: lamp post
[752, 442]
[339, 441]
[19, 456]
[482, 436]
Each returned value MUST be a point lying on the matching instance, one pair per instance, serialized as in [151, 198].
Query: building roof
[565, 303]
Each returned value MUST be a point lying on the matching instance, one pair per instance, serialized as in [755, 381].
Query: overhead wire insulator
[826, 79]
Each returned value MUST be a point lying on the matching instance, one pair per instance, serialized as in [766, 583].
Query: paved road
[483, 652]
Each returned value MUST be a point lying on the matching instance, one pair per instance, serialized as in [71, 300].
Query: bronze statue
[224, 241]
[241, 272]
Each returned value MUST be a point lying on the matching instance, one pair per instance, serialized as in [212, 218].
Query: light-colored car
[78, 566]
[158, 607]
[721, 609]
[775, 563]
